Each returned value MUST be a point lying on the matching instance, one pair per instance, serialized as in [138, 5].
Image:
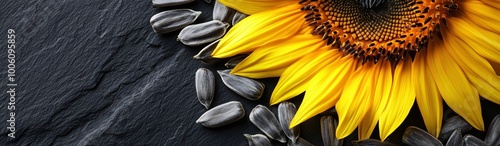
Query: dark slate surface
[94, 73]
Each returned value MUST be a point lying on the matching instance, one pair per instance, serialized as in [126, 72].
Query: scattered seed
[257, 140]
[470, 140]
[238, 16]
[328, 128]
[417, 137]
[205, 86]
[166, 3]
[222, 114]
[265, 120]
[286, 111]
[173, 20]
[248, 88]
[205, 55]
[300, 142]
[372, 142]
[455, 139]
[235, 60]
[455, 122]
[222, 12]
[198, 34]
[493, 134]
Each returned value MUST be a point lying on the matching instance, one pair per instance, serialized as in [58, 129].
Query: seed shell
[198, 34]
[172, 20]
[248, 88]
[223, 114]
[231, 63]
[167, 3]
[470, 140]
[300, 142]
[493, 133]
[286, 112]
[205, 86]
[455, 139]
[238, 16]
[257, 140]
[417, 137]
[328, 128]
[265, 120]
[222, 12]
[205, 55]
[455, 122]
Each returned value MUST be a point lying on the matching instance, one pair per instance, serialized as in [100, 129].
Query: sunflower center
[373, 29]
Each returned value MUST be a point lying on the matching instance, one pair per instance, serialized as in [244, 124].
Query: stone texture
[94, 73]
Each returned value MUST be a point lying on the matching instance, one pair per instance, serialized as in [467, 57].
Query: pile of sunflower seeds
[272, 127]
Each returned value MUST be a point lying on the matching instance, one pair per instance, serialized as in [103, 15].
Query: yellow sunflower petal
[324, 89]
[453, 85]
[259, 29]
[383, 75]
[484, 42]
[480, 14]
[428, 98]
[400, 101]
[272, 59]
[295, 78]
[477, 69]
[355, 100]
[255, 6]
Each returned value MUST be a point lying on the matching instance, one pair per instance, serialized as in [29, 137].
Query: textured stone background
[93, 72]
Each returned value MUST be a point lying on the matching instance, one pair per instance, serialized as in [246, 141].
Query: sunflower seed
[235, 60]
[198, 34]
[238, 16]
[208, 1]
[372, 142]
[470, 140]
[222, 12]
[222, 114]
[328, 128]
[166, 3]
[493, 134]
[248, 88]
[300, 142]
[265, 120]
[205, 86]
[416, 137]
[257, 140]
[205, 54]
[455, 122]
[286, 111]
[173, 20]
[455, 139]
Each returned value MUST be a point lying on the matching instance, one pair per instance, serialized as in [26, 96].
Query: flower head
[372, 59]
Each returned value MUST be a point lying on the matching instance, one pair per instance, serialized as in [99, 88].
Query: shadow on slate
[94, 73]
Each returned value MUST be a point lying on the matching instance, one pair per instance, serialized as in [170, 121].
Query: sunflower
[372, 59]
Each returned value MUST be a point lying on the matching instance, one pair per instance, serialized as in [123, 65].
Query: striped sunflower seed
[235, 60]
[455, 139]
[248, 88]
[205, 86]
[265, 120]
[300, 142]
[173, 20]
[166, 3]
[286, 111]
[198, 34]
[372, 142]
[205, 55]
[257, 140]
[493, 134]
[455, 122]
[222, 12]
[221, 115]
[470, 140]
[328, 128]
[238, 16]
[417, 137]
